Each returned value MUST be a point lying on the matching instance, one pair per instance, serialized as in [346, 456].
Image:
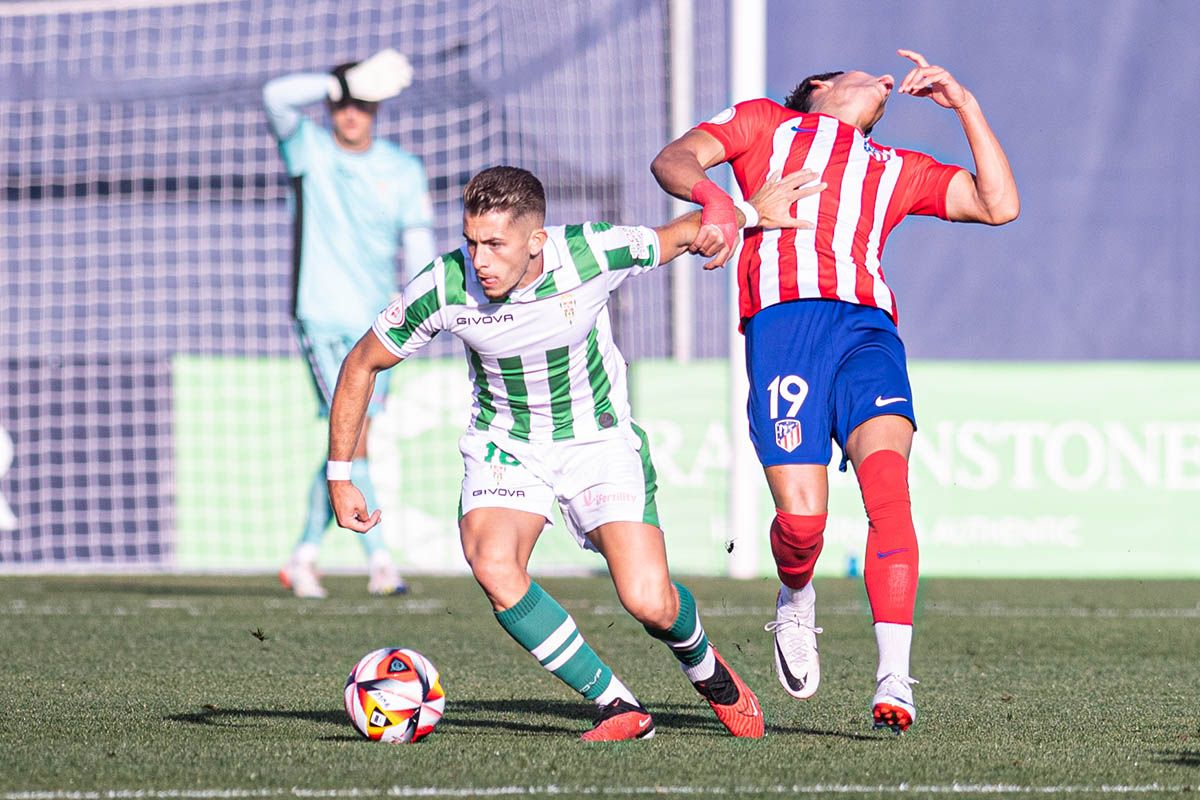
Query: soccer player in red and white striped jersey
[822, 352]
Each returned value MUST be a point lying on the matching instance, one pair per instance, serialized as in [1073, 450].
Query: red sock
[890, 568]
[796, 541]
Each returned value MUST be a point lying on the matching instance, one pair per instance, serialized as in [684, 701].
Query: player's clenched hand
[931, 81]
[350, 507]
[710, 241]
[718, 232]
[774, 199]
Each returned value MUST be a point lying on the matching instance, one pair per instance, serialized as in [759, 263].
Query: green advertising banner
[1072, 470]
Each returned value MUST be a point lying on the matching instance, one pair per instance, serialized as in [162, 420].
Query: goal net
[157, 414]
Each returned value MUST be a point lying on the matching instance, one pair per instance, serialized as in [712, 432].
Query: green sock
[547, 631]
[687, 639]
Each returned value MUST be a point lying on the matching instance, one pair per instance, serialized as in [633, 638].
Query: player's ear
[537, 240]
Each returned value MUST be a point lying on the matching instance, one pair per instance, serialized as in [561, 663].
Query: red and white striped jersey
[870, 189]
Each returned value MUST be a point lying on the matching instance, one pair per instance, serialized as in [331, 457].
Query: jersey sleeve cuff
[942, 187]
[381, 333]
[718, 132]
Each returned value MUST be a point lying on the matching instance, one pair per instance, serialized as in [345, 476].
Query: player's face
[504, 249]
[866, 94]
[352, 124]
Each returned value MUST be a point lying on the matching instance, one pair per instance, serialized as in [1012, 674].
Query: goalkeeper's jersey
[543, 362]
[351, 210]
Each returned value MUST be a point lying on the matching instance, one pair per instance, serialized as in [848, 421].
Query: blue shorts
[818, 369]
[325, 349]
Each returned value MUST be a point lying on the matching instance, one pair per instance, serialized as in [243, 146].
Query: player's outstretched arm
[284, 97]
[356, 382]
[990, 195]
[769, 207]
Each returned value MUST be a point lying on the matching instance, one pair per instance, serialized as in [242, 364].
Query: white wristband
[749, 211]
[337, 470]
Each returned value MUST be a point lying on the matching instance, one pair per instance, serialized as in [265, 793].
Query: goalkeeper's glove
[717, 209]
[382, 76]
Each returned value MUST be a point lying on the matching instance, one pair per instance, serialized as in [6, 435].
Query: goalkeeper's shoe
[620, 721]
[797, 662]
[731, 699]
[385, 580]
[893, 705]
[301, 578]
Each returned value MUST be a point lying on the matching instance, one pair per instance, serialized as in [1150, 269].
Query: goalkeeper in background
[357, 198]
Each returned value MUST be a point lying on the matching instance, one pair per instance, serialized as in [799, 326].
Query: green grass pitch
[160, 685]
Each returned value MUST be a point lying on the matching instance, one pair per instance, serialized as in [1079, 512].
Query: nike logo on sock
[886, 553]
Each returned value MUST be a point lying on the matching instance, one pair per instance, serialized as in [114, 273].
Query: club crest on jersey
[877, 153]
[724, 116]
[568, 307]
[639, 248]
[787, 434]
[394, 313]
[498, 471]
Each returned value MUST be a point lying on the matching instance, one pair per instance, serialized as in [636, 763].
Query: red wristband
[717, 209]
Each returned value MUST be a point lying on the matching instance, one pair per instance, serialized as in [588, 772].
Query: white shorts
[594, 481]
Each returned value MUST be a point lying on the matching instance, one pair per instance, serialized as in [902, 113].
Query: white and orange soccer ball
[394, 695]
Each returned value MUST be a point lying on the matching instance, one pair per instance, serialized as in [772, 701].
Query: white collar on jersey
[551, 260]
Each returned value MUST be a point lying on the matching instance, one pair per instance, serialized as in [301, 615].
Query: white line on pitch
[557, 790]
[949, 610]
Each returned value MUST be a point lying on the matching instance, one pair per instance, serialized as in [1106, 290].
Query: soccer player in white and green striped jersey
[551, 422]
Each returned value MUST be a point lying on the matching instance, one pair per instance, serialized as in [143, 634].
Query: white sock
[616, 689]
[895, 643]
[306, 554]
[797, 598]
[380, 559]
[704, 670]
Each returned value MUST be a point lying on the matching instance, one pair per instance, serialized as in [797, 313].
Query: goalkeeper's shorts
[595, 481]
[325, 349]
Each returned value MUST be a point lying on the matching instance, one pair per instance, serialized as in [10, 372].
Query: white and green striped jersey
[543, 362]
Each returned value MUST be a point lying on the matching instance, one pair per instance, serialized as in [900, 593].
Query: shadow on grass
[1180, 758]
[528, 717]
[248, 717]
[856, 737]
[508, 716]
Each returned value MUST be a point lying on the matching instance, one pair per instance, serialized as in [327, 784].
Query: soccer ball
[394, 695]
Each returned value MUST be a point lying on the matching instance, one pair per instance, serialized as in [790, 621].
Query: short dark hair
[511, 189]
[801, 97]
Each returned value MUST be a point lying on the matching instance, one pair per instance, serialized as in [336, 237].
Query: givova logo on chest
[484, 319]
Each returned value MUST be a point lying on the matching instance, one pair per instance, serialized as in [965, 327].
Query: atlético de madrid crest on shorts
[787, 434]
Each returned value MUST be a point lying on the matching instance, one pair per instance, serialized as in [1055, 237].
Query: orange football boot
[620, 721]
[735, 705]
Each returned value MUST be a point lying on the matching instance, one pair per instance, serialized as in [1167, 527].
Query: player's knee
[796, 542]
[498, 575]
[652, 605]
[883, 478]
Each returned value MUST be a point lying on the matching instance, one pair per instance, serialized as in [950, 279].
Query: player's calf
[796, 543]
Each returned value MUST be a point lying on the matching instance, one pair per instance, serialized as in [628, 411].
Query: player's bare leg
[801, 494]
[637, 561]
[497, 543]
[879, 450]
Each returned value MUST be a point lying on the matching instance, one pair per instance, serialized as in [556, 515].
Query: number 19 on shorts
[792, 390]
